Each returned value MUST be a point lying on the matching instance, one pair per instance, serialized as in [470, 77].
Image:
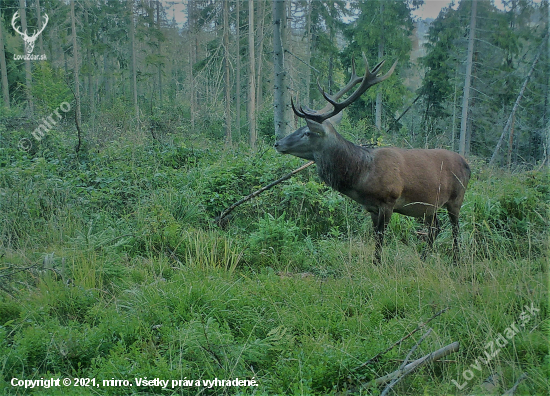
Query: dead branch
[512, 390]
[414, 365]
[220, 218]
[402, 367]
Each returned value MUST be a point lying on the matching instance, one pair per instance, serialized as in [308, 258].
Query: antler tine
[15, 16]
[368, 80]
[300, 113]
[377, 67]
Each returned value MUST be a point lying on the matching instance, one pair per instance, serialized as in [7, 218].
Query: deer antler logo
[29, 40]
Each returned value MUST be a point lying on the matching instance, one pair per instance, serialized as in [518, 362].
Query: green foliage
[116, 271]
[50, 88]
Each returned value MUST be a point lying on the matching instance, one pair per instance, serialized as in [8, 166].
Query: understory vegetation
[111, 267]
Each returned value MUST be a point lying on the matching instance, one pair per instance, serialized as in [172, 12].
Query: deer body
[412, 182]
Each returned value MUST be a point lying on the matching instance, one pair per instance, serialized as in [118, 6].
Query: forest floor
[114, 277]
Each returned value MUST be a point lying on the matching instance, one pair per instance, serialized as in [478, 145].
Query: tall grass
[111, 267]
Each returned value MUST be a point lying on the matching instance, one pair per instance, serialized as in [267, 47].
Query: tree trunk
[516, 104]
[251, 78]
[75, 59]
[28, 73]
[133, 61]
[467, 81]
[548, 94]
[238, 69]
[192, 58]
[4, 70]
[259, 69]
[159, 53]
[39, 21]
[378, 115]
[279, 22]
[308, 51]
[228, 137]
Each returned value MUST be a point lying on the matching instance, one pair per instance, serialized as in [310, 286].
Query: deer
[384, 180]
[29, 40]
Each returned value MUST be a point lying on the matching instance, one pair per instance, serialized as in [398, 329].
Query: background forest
[148, 118]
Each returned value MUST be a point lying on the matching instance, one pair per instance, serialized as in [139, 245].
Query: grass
[110, 268]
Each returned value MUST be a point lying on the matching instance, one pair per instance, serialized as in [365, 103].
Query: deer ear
[315, 127]
[335, 120]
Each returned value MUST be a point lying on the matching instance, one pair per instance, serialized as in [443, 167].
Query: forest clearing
[121, 149]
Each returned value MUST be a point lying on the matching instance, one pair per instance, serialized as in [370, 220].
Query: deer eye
[307, 133]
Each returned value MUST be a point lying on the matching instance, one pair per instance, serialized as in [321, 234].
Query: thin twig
[219, 219]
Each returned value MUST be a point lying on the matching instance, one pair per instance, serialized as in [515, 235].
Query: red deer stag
[412, 182]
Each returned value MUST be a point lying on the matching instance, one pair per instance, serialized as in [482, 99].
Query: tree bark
[251, 78]
[516, 104]
[39, 21]
[378, 115]
[76, 80]
[279, 22]
[159, 53]
[259, 61]
[4, 70]
[238, 68]
[28, 72]
[133, 61]
[467, 81]
[228, 137]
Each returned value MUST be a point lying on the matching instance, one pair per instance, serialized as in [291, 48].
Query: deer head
[29, 40]
[311, 139]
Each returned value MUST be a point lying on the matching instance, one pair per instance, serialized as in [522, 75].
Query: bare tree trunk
[309, 10]
[467, 81]
[238, 70]
[133, 54]
[28, 73]
[192, 60]
[261, 35]
[106, 72]
[4, 70]
[453, 136]
[159, 52]
[228, 137]
[39, 19]
[516, 104]
[548, 94]
[251, 78]
[279, 22]
[378, 115]
[76, 80]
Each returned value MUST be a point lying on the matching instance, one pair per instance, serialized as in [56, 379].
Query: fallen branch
[402, 372]
[512, 390]
[219, 219]
[402, 367]
[420, 326]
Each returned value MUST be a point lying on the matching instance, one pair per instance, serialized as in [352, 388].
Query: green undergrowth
[111, 267]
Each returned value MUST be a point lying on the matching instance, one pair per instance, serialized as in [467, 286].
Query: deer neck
[341, 163]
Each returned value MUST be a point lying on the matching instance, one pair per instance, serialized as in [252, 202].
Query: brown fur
[411, 182]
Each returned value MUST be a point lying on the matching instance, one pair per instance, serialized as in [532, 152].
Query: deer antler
[370, 78]
[46, 19]
[13, 19]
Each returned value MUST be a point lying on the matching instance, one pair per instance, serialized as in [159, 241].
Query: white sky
[431, 8]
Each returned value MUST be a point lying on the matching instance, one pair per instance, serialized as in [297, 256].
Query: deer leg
[380, 221]
[433, 232]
